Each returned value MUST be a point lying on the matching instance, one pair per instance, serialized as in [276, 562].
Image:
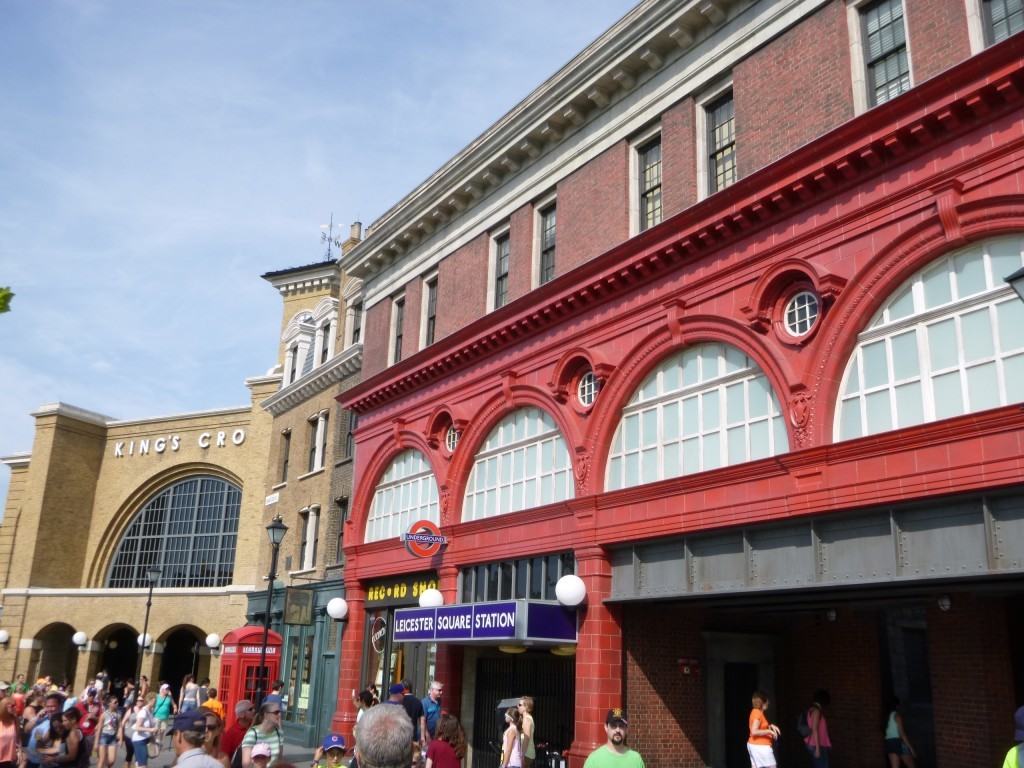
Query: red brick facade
[851, 215]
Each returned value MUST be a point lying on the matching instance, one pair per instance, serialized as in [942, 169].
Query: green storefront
[311, 655]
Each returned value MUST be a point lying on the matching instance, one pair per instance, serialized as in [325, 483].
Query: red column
[344, 719]
[449, 657]
[598, 656]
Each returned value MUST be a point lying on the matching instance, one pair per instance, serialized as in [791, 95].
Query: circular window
[586, 389]
[451, 439]
[801, 313]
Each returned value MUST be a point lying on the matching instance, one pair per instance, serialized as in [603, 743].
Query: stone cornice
[72, 412]
[316, 381]
[988, 84]
[315, 277]
[236, 411]
[17, 460]
[644, 42]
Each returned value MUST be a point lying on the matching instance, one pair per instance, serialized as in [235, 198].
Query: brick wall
[593, 209]
[462, 286]
[679, 157]
[411, 318]
[520, 262]
[794, 89]
[972, 682]
[938, 36]
[376, 332]
[667, 707]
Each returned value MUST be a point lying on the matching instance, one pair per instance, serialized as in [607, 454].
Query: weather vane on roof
[327, 236]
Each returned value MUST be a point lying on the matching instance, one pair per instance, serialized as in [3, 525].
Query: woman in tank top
[189, 694]
[512, 742]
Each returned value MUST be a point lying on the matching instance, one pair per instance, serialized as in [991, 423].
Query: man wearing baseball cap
[615, 753]
[187, 734]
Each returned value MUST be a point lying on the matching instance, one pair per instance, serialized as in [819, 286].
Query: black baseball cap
[616, 715]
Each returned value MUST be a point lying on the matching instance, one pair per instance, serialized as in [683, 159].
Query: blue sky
[157, 157]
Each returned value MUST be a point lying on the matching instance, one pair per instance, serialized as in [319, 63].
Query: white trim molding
[302, 389]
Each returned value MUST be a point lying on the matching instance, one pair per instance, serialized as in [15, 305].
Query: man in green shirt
[615, 754]
[1015, 757]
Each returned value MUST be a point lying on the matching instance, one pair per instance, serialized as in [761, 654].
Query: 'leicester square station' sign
[531, 621]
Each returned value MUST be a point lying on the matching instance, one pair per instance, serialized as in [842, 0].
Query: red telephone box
[240, 664]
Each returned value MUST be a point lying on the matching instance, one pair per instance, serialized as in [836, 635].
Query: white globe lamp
[79, 638]
[5, 637]
[213, 640]
[145, 640]
[570, 590]
[337, 608]
[431, 598]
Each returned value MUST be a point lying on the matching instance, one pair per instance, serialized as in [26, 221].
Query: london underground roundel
[424, 539]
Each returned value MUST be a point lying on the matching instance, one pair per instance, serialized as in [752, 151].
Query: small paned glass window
[357, 323]
[451, 439]
[1002, 19]
[649, 162]
[721, 122]
[586, 389]
[431, 311]
[548, 222]
[885, 50]
[286, 446]
[501, 253]
[312, 444]
[399, 322]
[801, 313]
[325, 350]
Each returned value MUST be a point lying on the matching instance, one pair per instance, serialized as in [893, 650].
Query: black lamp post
[1016, 281]
[276, 531]
[152, 576]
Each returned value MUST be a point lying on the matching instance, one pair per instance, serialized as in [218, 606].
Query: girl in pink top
[818, 743]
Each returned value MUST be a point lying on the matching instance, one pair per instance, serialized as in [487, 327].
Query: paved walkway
[294, 753]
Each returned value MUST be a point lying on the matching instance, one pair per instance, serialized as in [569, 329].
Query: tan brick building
[96, 503]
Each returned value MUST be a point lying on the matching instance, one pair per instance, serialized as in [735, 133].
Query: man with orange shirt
[762, 733]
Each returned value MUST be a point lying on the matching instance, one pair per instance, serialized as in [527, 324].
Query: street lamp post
[1016, 281]
[152, 576]
[276, 531]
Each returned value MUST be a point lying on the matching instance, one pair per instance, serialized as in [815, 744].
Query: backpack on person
[803, 726]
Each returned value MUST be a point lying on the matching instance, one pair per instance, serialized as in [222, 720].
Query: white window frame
[396, 301]
[975, 25]
[310, 519]
[635, 144]
[392, 510]
[919, 321]
[424, 296]
[353, 295]
[492, 260]
[858, 62]
[706, 98]
[540, 207]
[716, 386]
[504, 454]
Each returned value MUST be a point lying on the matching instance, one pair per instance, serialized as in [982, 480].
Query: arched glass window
[705, 407]
[949, 341]
[405, 494]
[188, 530]
[523, 463]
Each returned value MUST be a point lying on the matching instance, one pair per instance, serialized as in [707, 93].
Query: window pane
[758, 393]
[759, 446]
[970, 273]
[712, 451]
[734, 400]
[877, 408]
[983, 386]
[909, 407]
[849, 425]
[1005, 257]
[948, 395]
[902, 305]
[936, 287]
[1010, 317]
[670, 421]
[736, 439]
[1013, 375]
[904, 356]
[942, 344]
[876, 368]
[673, 460]
[709, 410]
[976, 331]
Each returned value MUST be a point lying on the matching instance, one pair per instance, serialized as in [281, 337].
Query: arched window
[949, 341]
[188, 531]
[705, 407]
[405, 494]
[523, 463]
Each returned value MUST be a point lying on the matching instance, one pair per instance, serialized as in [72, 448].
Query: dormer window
[309, 339]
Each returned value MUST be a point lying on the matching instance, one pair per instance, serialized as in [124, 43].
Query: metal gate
[550, 680]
